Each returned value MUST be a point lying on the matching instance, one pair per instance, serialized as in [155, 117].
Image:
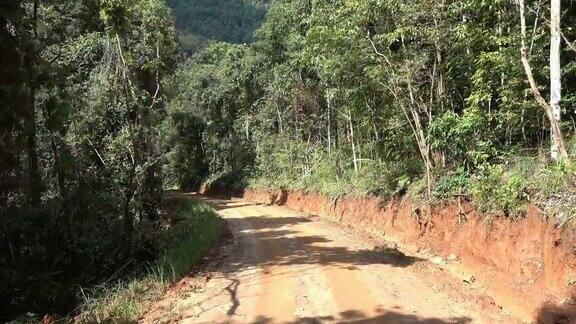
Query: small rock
[438, 260]
[452, 257]
[569, 301]
[485, 301]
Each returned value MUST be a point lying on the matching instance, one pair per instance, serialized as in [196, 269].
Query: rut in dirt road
[289, 268]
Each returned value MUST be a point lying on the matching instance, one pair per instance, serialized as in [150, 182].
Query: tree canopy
[202, 21]
[81, 163]
[378, 97]
[100, 114]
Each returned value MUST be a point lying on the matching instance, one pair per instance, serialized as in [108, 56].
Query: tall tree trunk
[128, 216]
[329, 124]
[61, 176]
[421, 138]
[30, 121]
[31, 148]
[351, 126]
[555, 130]
[555, 71]
[423, 146]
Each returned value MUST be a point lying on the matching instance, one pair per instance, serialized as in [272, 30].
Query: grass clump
[123, 301]
[194, 229]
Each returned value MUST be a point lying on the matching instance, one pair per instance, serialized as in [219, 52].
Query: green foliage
[522, 180]
[296, 166]
[83, 169]
[452, 183]
[553, 179]
[459, 136]
[121, 302]
[553, 188]
[203, 21]
[369, 97]
[99, 114]
[494, 191]
[204, 136]
[43, 262]
[115, 15]
[184, 166]
[196, 228]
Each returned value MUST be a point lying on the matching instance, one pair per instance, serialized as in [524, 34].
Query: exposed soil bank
[528, 265]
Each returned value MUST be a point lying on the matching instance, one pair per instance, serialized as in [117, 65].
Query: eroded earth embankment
[526, 266]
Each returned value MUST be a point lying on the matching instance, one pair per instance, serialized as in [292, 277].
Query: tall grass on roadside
[195, 229]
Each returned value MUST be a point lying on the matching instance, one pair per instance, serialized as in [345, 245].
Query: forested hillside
[383, 97]
[200, 21]
[100, 115]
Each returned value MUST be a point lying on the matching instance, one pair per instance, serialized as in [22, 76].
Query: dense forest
[100, 114]
[200, 22]
[434, 99]
[80, 174]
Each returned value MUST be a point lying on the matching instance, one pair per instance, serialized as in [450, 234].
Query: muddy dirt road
[280, 266]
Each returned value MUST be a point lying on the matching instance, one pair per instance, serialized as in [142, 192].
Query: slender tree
[555, 130]
[555, 70]
[30, 117]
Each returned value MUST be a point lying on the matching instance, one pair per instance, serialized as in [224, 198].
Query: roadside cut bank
[527, 266]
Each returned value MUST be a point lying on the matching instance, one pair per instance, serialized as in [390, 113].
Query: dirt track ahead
[285, 267]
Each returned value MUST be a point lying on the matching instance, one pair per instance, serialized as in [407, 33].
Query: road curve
[286, 267]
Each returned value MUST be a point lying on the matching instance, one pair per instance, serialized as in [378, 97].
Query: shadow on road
[284, 243]
[286, 246]
[561, 313]
[357, 317]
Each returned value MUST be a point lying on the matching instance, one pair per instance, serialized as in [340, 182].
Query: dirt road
[285, 267]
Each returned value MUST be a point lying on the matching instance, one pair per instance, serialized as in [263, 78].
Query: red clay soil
[528, 266]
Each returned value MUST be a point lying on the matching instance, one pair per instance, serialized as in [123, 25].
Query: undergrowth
[502, 183]
[504, 186]
[298, 166]
[194, 230]
[507, 188]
